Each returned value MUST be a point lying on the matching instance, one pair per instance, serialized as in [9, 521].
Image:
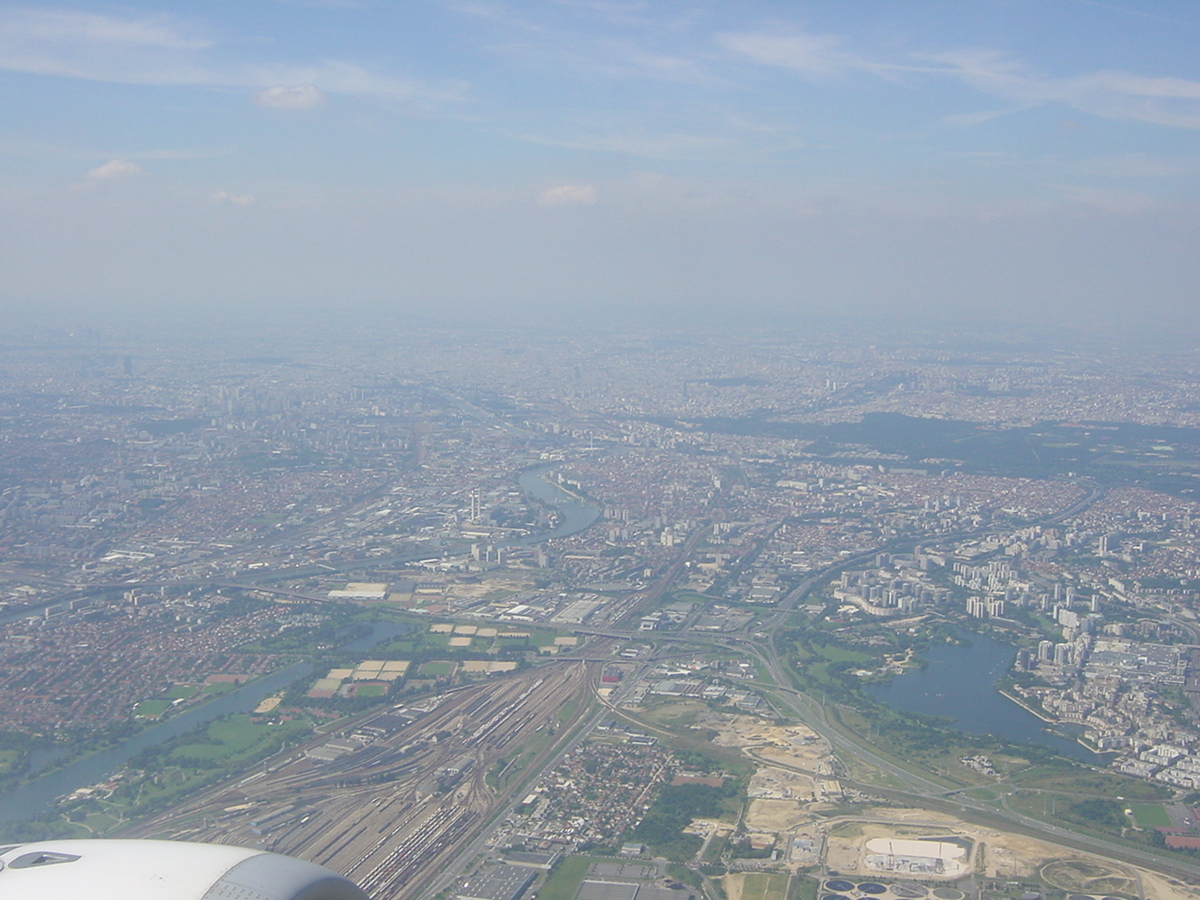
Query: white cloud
[100, 48]
[813, 54]
[1109, 200]
[301, 96]
[183, 153]
[1160, 100]
[43, 151]
[164, 51]
[1140, 165]
[569, 195]
[323, 4]
[631, 141]
[114, 169]
[50, 27]
[1109, 94]
[232, 199]
[979, 117]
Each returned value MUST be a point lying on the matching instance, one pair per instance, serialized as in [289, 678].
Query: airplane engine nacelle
[104, 869]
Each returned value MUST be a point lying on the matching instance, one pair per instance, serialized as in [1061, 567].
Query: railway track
[392, 813]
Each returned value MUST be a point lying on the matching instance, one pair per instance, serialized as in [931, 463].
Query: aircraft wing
[162, 870]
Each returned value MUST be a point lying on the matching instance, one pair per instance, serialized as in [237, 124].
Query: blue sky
[1007, 160]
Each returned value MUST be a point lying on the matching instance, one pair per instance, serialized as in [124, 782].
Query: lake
[960, 683]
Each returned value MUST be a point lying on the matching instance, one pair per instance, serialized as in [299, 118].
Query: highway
[917, 788]
[404, 814]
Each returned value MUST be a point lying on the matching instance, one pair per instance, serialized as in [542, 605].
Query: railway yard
[392, 799]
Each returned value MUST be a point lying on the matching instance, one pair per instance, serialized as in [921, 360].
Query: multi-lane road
[409, 804]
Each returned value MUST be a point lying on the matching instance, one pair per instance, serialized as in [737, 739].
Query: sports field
[152, 709]
[765, 886]
[1150, 815]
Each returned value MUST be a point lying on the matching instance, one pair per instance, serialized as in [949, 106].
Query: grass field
[152, 709]
[715, 848]
[234, 738]
[840, 654]
[1150, 815]
[216, 751]
[565, 879]
[9, 760]
[182, 692]
[226, 737]
[427, 640]
[803, 887]
[982, 794]
[521, 643]
[101, 822]
[765, 886]
[1072, 779]
[674, 714]
[567, 710]
[693, 597]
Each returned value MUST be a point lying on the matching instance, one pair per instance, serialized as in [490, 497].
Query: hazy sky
[985, 160]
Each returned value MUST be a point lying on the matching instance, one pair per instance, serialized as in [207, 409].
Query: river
[959, 682]
[37, 796]
[574, 515]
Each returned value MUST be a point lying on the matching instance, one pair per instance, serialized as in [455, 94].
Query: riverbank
[38, 794]
[1025, 706]
[55, 776]
[574, 513]
[1077, 738]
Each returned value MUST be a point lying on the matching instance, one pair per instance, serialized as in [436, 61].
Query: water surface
[960, 683]
[38, 796]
